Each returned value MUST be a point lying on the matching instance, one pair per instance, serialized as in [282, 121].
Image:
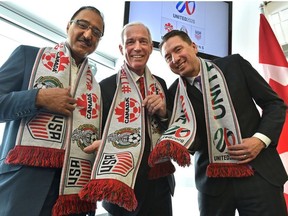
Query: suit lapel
[195, 93]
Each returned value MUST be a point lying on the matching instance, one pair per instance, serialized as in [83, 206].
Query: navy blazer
[246, 86]
[23, 190]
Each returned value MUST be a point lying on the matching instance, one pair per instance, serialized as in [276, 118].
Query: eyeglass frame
[95, 31]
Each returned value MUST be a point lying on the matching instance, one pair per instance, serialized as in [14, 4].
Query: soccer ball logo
[125, 138]
[128, 110]
[134, 138]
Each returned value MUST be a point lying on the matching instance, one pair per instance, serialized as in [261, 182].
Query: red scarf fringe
[36, 156]
[72, 204]
[111, 190]
[161, 170]
[229, 170]
[174, 150]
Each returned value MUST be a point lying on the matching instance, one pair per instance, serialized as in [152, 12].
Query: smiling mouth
[180, 66]
[86, 43]
[137, 56]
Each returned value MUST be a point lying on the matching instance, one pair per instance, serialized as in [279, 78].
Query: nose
[175, 58]
[88, 33]
[137, 45]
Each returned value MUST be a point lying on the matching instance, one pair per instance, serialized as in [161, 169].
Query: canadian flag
[275, 71]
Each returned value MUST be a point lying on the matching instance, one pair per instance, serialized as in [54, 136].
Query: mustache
[85, 40]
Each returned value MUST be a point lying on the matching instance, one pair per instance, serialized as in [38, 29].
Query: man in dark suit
[153, 196]
[261, 193]
[32, 190]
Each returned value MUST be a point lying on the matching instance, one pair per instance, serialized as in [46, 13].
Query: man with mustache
[43, 93]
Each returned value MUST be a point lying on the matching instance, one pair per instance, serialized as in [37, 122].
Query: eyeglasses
[83, 24]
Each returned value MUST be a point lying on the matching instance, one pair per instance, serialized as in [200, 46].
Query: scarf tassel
[72, 204]
[229, 170]
[36, 156]
[111, 190]
[174, 150]
[161, 170]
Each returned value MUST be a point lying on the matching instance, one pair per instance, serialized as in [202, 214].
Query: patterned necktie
[141, 86]
[197, 83]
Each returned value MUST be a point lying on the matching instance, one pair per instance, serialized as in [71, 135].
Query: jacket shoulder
[27, 48]
[108, 81]
[229, 58]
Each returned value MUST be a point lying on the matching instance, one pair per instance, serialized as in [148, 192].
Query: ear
[195, 47]
[151, 48]
[68, 26]
[121, 49]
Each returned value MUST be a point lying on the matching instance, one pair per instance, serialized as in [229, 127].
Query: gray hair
[135, 24]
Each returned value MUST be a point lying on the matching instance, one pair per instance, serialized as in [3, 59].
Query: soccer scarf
[55, 141]
[221, 123]
[181, 132]
[120, 153]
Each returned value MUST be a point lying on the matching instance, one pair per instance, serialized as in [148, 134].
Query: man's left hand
[247, 150]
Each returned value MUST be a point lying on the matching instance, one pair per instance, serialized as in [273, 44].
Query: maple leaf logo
[88, 105]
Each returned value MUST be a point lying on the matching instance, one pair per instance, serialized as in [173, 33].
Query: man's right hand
[57, 100]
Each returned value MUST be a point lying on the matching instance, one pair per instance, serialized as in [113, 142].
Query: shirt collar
[135, 76]
[190, 80]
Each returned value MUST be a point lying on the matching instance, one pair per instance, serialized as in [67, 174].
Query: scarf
[221, 123]
[120, 153]
[181, 132]
[55, 141]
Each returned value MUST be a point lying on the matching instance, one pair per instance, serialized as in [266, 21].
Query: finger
[70, 107]
[68, 90]
[71, 100]
[154, 109]
[244, 159]
[153, 102]
[234, 147]
[89, 149]
[93, 147]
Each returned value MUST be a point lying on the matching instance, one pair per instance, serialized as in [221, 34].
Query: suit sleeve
[273, 107]
[16, 101]
[247, 88]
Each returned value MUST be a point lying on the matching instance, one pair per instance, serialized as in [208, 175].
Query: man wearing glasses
[44, 95]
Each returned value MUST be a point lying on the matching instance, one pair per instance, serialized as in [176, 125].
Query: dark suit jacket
[108, 87]
[245, 86]
[17, 183]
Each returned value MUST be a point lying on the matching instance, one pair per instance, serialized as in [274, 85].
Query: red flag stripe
[270, 51]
